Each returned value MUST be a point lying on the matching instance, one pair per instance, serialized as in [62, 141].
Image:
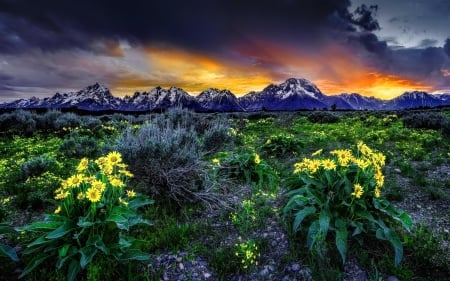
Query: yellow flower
[123, 202]
[362, 164]
[114, 158]
[344, 156]
[300, 167]
[364, 149]
[99, 185]
[357, 191]
[328, 164]
[105, 165]
[216, 161]
[58, 210]
[83, 165]
[126, 173]
[62, 195]
[379, 178]
[317, 152]
[75, 180]
[81, 196]
[116, 182]
[257, 159]
[93, 194]
[313, 166]
[131, 193]
[377, 192]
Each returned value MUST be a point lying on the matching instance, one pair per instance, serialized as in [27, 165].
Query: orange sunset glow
[334, 70]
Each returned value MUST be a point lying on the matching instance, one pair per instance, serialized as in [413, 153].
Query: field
[225, 196]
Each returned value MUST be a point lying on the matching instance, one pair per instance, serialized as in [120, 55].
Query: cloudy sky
[374, 47]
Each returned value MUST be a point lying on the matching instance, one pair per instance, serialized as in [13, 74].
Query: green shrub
[80, 146]
[94, 216]
[323, 117]
[428, 120]
[166, 161]
[67, 120]
[341, 196]
[281, 144]
[36, 166]
[19, 122]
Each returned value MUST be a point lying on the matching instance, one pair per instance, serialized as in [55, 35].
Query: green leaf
[341, 241]
[62, 252]
[7, 251]
[74, 268]
[72, 251]
[406, 220]
[87, 254]
[300, 216]
[60, 231]
[41, 226]
[313, 234]
[96, 240]
[34, 263]
[324, 221]
[134, 254]
[139, 201]
[398, 247]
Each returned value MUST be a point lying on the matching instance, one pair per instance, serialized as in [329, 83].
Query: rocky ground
[416, 202]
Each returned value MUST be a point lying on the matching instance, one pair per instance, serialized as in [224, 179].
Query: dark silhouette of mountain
[293, 94]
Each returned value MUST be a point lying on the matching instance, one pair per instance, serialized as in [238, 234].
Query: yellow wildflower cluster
[92, 184]
[248, 252]
[366, 160]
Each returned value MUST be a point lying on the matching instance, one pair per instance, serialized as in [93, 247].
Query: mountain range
[293, 94]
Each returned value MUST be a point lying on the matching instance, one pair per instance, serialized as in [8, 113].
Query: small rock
[181, 266]
[397, 170]
[207, 275]
[295, 267]
[392, 278]
[264, 272]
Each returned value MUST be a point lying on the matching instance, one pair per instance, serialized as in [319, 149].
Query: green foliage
[425, 120]
[19, 122]
[282, 144]
[6, 250]
[77, 146]
[248, 166]
[36, 166]
[166, 159]
[94, 216]
[323, 117]
[247, 252]
[341, 195]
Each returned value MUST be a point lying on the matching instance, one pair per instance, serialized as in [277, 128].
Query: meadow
[314, 195]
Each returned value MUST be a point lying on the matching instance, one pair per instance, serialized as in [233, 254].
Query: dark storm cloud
[447, 47]
[201, 24]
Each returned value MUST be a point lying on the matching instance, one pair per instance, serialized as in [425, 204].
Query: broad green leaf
[74, 268]
[134, 254]
[301, 215]
[39, 241]
[406, 220]
[87, 254]
[60, 231]
[96, 240]
[398, 247]
[62, 252]
[7, 251]
[139, 201]
[37, 260]
[313, 234]
[41, 226]
[341, 242]
[324, 221]
[72, 251]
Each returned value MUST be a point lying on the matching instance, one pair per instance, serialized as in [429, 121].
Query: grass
[214, 233]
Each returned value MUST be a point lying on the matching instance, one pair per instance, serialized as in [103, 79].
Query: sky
[378, 48]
